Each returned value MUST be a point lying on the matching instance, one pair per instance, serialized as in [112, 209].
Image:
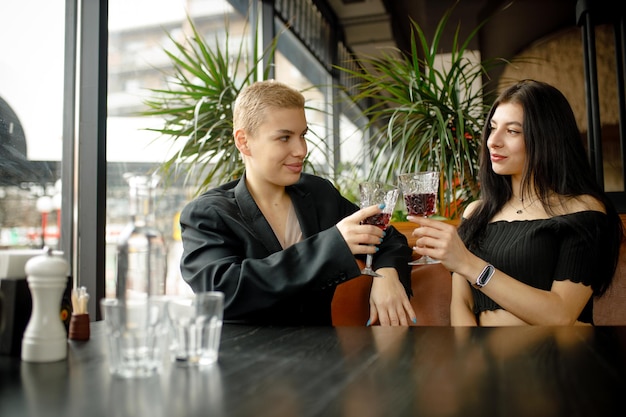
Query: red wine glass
[420, 197]
[376, 193]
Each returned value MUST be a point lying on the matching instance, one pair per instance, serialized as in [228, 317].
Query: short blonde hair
[255, 99]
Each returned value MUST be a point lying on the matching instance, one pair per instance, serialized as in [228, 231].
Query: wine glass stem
[368, 261]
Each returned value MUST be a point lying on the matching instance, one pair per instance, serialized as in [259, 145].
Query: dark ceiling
[511, 25]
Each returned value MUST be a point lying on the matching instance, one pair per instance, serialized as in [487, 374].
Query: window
[137, 63]
[94, 145]
[31, 124]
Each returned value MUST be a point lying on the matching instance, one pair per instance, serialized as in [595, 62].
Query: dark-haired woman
[544, 238]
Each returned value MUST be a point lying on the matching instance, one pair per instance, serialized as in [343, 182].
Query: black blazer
[229, 246]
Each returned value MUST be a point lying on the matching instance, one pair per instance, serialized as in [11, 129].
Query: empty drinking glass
[197, 326]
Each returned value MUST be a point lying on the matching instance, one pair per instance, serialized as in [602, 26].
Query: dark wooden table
[344, 371]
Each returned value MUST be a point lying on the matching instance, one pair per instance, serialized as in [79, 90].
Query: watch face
[481, 279]
[485, 276]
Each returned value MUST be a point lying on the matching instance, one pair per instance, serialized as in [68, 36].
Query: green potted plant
[424, 113]
[196, 107]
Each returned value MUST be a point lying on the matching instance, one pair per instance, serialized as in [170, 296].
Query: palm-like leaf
[423, 115]
[197, 106]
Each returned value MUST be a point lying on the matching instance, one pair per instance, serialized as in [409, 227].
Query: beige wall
[558, 60]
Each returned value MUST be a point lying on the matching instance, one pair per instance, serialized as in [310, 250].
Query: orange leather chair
[610, 309]
[431, 285]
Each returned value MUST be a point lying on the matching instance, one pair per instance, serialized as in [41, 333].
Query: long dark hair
[556, 163]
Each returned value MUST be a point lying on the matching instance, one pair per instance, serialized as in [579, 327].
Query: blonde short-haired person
[278, 241]
[544, 238]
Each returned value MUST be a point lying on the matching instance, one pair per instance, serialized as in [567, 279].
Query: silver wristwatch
[485, 276]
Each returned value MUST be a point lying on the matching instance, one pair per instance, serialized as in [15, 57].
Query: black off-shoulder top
[538, 252]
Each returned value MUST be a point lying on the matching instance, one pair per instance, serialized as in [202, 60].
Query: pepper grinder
[45, 339]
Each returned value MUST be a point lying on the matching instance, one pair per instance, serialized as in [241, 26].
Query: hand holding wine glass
[420, 197]
[377, 193]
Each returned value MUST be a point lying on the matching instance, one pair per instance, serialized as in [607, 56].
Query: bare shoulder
[471, 207]
[584, 202]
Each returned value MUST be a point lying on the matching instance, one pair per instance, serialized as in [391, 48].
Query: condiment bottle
[45, 338]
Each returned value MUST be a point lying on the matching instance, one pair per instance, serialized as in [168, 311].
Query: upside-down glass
[377, 193]
[420, 197]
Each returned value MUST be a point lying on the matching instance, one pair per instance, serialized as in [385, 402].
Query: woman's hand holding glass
[361, 238]
[441, 240]
[385, 196]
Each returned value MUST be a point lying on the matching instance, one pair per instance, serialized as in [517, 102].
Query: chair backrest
[350, 305]
[610, 309]
[432, 289]
[431, 286]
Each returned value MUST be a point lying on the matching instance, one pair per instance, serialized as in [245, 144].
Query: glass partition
[31, 123]
[138, 38]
